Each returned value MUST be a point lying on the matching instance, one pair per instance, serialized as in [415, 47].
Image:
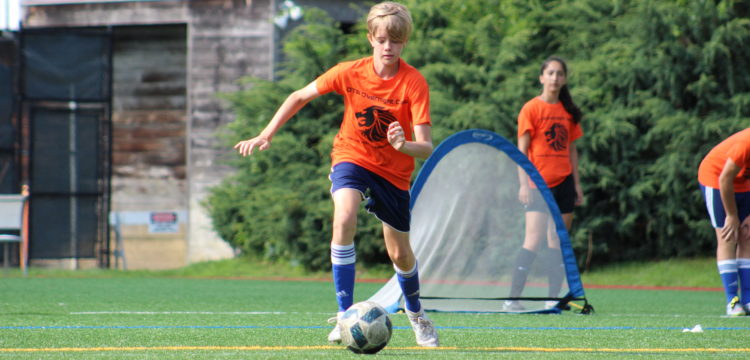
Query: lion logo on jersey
[374, 122]
[557, 137]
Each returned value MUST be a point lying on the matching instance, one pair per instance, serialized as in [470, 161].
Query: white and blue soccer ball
[365, 328]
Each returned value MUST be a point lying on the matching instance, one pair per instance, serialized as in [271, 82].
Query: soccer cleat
[556, 304]
[335, 335]
[734, 308]
[513, 305]
[424, 329]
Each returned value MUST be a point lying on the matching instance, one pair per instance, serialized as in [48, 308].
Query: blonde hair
[394, 16]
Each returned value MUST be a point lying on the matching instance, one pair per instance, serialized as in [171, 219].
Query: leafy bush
[660, 83]
[278, 204]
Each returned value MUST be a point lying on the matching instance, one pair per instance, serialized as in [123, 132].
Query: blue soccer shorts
[387, 202]
[715, 207]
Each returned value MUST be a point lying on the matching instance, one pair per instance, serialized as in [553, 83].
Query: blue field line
[100, 327]
[582, 328]
[151, 327]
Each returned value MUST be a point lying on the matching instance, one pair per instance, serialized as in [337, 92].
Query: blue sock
[743, 269]
[409, 281]
[729, 277]
[343, 259]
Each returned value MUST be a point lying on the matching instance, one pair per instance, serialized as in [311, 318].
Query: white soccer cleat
[734, 308]
[424, 329]
[335, 335]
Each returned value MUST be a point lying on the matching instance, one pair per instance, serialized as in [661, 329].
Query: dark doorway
[65, 87]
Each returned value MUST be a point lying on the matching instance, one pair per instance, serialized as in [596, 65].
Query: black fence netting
[66, 65]
[8, 134]
[65, 91]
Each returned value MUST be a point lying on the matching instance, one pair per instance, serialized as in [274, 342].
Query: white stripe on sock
[343, 254]
[406, 274]
[727, 266]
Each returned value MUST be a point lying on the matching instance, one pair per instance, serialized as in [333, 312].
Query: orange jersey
[735, 147]
[370, 105]
[552, 130]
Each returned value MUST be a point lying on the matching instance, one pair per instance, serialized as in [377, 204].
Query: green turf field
[159, 317]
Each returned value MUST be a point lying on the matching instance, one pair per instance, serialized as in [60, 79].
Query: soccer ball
[365, 328]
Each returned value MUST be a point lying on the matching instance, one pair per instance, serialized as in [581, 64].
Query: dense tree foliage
[660, 83]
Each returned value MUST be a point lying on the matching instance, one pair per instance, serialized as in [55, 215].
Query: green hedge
[660, 83]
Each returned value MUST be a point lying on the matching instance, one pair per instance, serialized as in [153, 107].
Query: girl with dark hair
[548, 126]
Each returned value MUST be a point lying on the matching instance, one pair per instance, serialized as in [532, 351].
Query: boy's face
[384, 49]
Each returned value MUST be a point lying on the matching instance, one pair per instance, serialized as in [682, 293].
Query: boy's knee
[345, 222]
[403, 260]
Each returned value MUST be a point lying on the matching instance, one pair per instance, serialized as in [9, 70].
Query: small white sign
[163, 222]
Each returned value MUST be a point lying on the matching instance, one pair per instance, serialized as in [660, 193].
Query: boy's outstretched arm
[293, 103]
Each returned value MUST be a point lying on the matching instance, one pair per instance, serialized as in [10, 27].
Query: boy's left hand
[396, 135]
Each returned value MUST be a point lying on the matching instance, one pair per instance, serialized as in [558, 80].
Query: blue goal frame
[575, 286]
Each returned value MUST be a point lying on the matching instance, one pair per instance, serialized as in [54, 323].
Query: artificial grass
[210, 318]
[700, 272]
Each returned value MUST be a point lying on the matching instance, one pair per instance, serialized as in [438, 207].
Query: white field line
[707, 316]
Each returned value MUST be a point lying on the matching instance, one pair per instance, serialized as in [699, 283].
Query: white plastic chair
[12, 227]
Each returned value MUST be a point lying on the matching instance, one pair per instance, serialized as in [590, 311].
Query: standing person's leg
[343, 256]
[743, 263]
[536, 230]
[347, 189]
[726, 252]
[391, 206]
[553, 256]
[726, 261]
[565, 197]
[553, 260]
[405, 264]
[743, 248]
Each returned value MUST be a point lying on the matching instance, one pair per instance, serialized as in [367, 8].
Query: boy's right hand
[246, 147]
[731, 229]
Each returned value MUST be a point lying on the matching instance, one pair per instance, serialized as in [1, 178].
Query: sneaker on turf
[335, 335]
[556, 304]
[513, 305]
[734, 308]
[424, 329]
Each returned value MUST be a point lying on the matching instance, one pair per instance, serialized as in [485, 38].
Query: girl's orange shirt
[370, 105]
[552, 130]
[735, 147]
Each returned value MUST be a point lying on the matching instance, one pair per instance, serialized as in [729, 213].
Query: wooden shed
[169, 60]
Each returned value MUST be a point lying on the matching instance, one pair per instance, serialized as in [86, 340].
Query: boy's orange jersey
[370, 105]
